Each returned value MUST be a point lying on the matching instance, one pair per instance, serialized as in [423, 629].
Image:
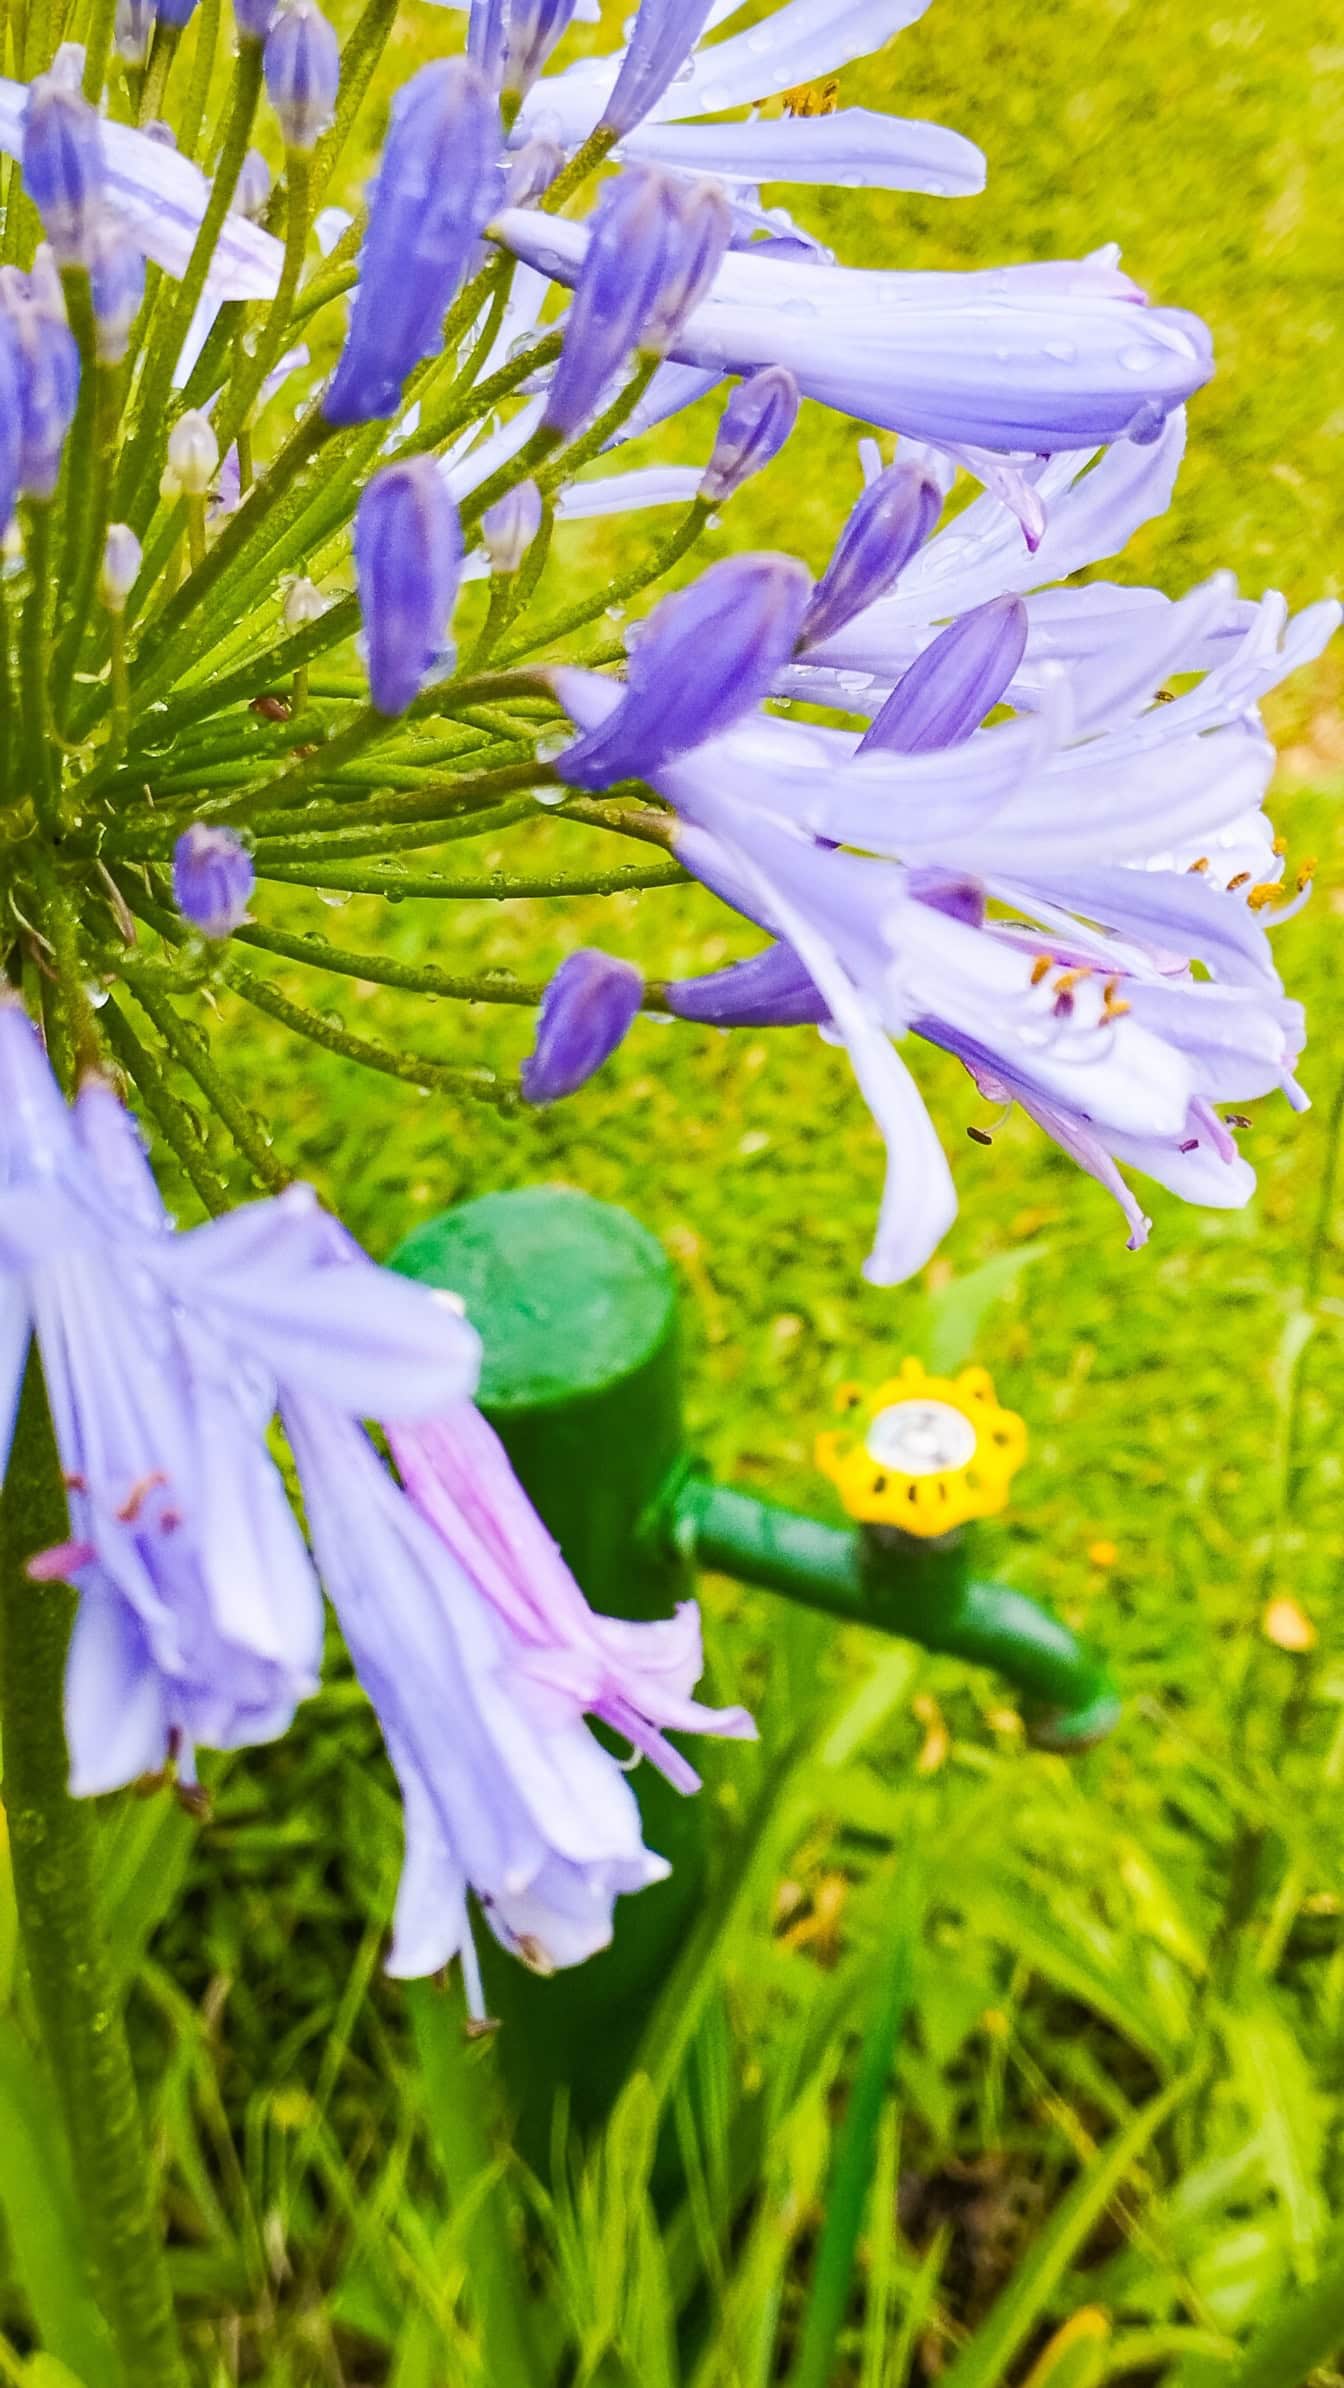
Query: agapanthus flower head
[213, 878]
[754, 425]
[120, 567]
[701, 661]
[888, 525]
[408, 555]
[509, 527]
[63, 166]
[958, 680]
[435, 187]
[584, 1015]
[303, 71]
[661, 40]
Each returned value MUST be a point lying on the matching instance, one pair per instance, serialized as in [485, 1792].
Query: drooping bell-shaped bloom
[302, 63]
[436, 182]
[584, 1015]
[63, 167]
[408, 554]
[753, 427]
[213, 878]
[703, 658]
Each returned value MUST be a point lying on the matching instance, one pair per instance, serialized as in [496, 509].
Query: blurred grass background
[1114, 2132]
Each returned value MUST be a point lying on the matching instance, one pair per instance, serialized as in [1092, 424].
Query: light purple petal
[629, 493]
[853, 147]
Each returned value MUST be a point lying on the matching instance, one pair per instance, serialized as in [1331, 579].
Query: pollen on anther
[1241, 880]
[1039, 969]
[1201, 863]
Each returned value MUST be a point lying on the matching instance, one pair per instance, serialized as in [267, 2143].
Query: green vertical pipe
[576, 1305]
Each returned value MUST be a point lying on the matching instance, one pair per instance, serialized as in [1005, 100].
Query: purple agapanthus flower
[1121, 837]
[165, 1357]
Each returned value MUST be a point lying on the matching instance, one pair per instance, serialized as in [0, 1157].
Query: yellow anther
[1201, 864]
[1040, 969]
[925, 1453]
[812, 99]
[1116, 1008]
[1268, 891]
[1280, 844]
[1069, 979]
[1307, 873]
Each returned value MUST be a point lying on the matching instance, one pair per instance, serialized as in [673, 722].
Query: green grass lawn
[1118, 2090]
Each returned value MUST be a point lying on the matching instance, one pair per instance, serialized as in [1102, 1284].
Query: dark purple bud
[532, 29]
[752, 429]
[436, 186]
[408, 554]
[252, 191]
[63, 166]
[509, 527]
[584, 1015]
[303, 73]
[253, 18]
[11, 411]
[958, 679]
[772, 990]
[705, 657]
[213, 879]
[891, 521]
[48, 382]
[654, 247]
[665, 33]
[117, 285]
[702, 227]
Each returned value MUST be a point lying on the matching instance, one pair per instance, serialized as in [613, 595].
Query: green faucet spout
[918, 1589]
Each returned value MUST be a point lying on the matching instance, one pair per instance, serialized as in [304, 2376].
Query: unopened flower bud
[304, 603]
[408, 553]
[700, 232]
[176, 14]
[533, 29]
[584, 1015]
[213, 878]
[253, 18]
[531, 170]
[946, 692]
[117, 287]
[436, 186]
[753, 427]
[303, 72]
[193, 454]
[63, 166]
[11, 425]
[120, 566]
[509, 527]
[891, 521]
[48, 378]
[252, 191]
[133, 26]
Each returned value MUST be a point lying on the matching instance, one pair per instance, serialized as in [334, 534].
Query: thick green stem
[57, 1863]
